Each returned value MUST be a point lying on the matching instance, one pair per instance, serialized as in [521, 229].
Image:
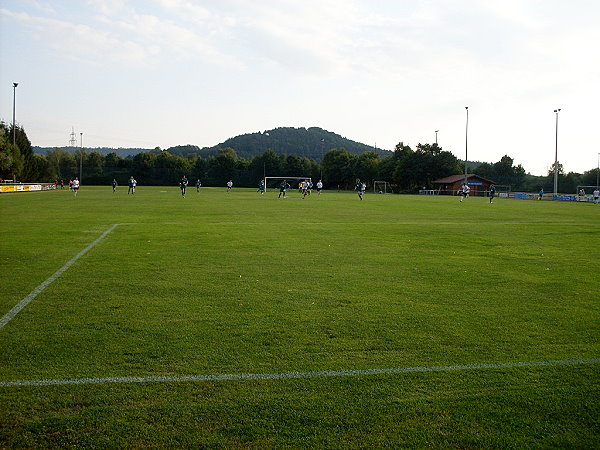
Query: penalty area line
[23, 303]
[293, 375]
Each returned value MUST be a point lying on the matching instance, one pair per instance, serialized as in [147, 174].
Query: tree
[45, 171]
[338, 167]
[590, 177]
[366, 166]
[24, 144]
[63, 162]
[11, 160]
[112, 160]
[94, 164]
[222, 167]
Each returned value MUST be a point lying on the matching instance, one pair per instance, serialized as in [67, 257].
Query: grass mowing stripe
[289, 375]
[23, 303]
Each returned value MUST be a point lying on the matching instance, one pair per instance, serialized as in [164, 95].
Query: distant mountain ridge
[122, 152]
[310, 142]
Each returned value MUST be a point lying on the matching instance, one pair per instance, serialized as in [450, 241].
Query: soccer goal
[584, 193]
[274, 182]
[382, 187]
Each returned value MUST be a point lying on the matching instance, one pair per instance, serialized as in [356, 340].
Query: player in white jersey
[75, 186]
[596, 195]
[465, 192]
[132, 185]
[229, 185]
[319, 187]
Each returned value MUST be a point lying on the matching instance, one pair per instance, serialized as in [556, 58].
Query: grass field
[239, 284]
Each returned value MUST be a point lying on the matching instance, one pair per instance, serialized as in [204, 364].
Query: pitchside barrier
[20, 187]
[518, 195]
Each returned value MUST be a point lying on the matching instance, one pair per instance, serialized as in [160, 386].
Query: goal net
[275, 182]
[382, 187]
[585, 193]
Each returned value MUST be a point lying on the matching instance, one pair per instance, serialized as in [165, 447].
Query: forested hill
[311, 142]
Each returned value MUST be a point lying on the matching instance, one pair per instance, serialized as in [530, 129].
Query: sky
[148, 73]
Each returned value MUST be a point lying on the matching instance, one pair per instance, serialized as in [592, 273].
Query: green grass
[241, 283]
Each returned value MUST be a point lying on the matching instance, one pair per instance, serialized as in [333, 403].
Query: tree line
[407, 169]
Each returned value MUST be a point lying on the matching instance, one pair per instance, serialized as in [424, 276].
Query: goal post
[585, 193]
[382, 187]
[293, 181]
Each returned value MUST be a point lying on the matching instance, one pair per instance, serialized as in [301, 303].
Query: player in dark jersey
[359, 188]
[183, 185]
[283, 187]
[492, 192]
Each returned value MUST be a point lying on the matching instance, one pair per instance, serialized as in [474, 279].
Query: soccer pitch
[243, 320]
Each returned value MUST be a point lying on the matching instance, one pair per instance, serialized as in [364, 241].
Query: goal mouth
[382, 187]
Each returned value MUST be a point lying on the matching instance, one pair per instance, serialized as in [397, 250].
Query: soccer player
[114, 185]
[492, 192]
[463, 192]
[75, 186]
[596, 195]
[541, 194]
[283, 187]
[319, 187]
[198, 185]
[132, 185]
[183, 185]
[305, 189]
[261, 187]
[359, 188]
[229, 185]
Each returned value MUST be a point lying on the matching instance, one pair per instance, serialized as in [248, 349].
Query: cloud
[107, 6]
[170, 38]
[81, 41]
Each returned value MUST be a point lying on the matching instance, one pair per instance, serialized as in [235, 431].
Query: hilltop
[310, 142]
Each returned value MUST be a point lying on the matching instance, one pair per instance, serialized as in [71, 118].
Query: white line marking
[411, 223]
[292, 375]
[23, 303]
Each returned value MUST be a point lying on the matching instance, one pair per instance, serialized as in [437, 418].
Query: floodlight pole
[81, 155]
[14, 109]
[466, 142]
[556, 155]
[436, 132]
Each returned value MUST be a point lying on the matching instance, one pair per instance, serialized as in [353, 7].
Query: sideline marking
[23, 303]
[409, 223]
[291, 375]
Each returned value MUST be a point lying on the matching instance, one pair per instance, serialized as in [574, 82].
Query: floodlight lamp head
[467, 108]
[15, 84]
